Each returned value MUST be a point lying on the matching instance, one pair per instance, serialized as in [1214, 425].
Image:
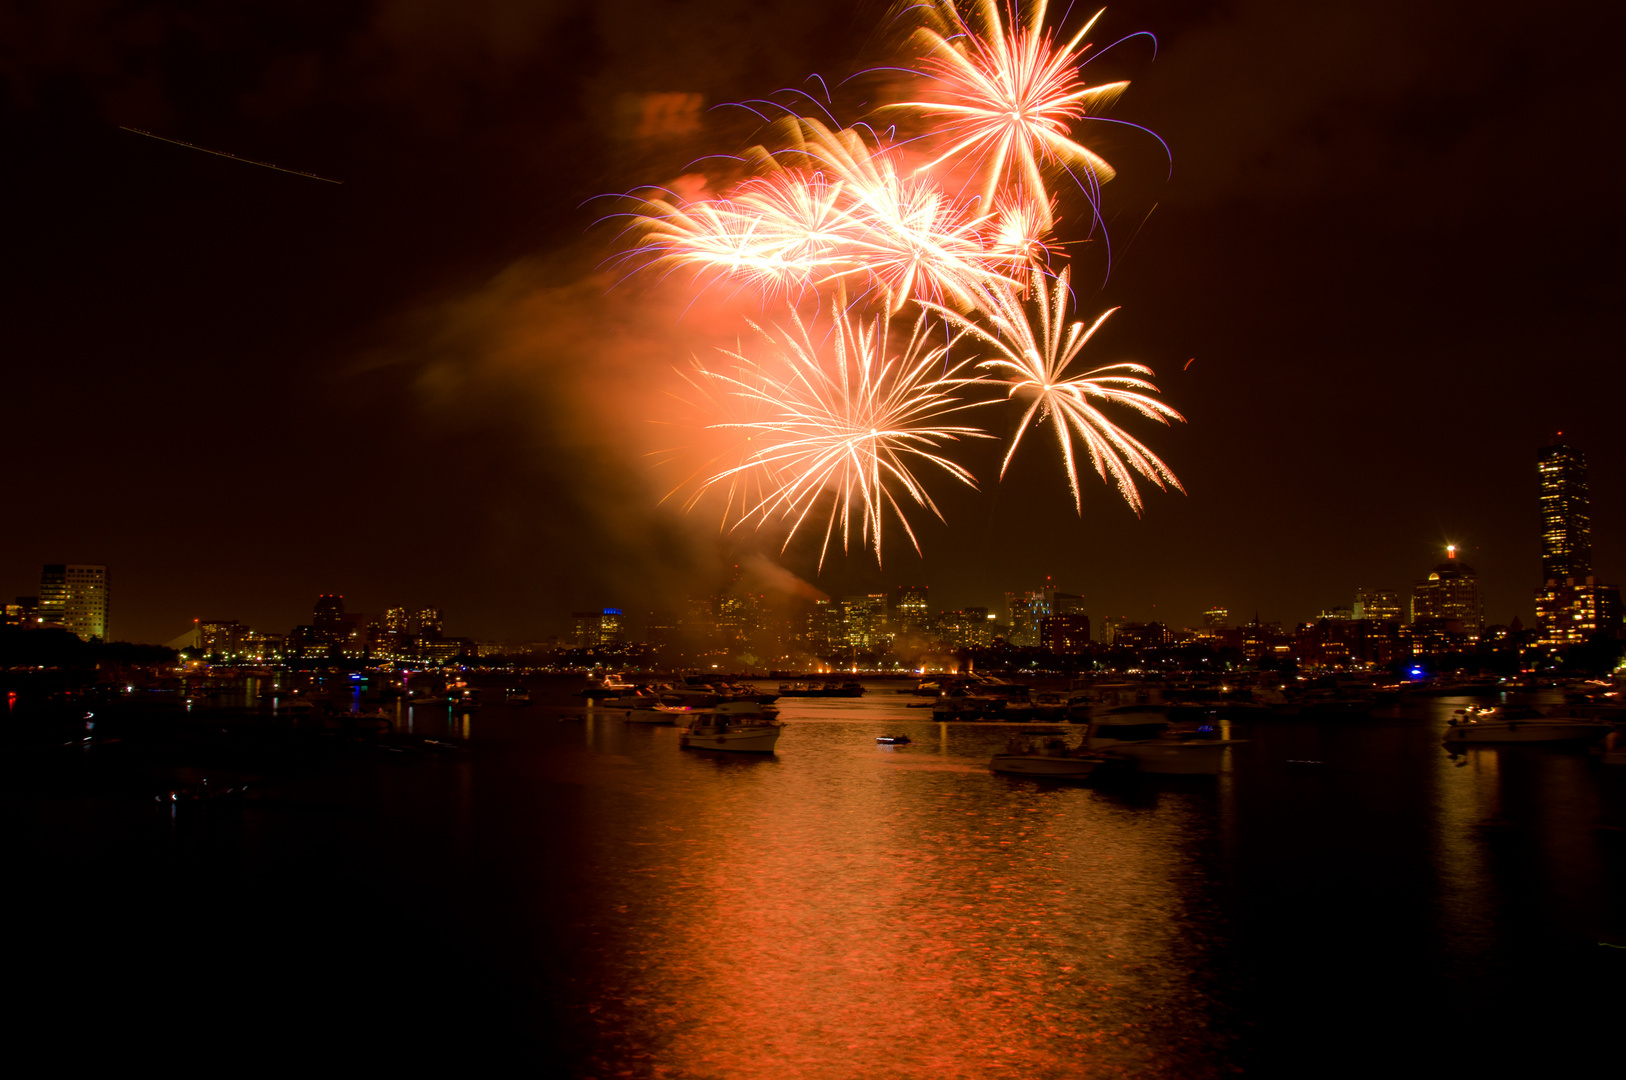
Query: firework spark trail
[855, 425]
[831, 207]
[1007, 99]
[1035, 352]
[865, 222]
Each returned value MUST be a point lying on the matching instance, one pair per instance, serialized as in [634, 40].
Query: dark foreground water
[579, 897]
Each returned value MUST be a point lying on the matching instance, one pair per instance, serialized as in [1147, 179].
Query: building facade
[1450, 594]
[1566, 517]
[74, 597]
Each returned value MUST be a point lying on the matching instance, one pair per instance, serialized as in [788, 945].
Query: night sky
[1390, 249]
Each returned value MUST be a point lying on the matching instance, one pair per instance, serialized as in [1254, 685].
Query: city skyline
[324, 422]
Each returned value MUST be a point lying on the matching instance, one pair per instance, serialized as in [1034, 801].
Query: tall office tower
[396, 620]
[1018, 617]
[1571, 605]
[1380, 604]
[1451, 593]
[329, 614]
[1566, 524]
[427, 624]
[910, 611]
[74, 597]
[862, 620]
[1216, 618]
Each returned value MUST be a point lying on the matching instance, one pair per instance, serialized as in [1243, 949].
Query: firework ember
[869, 223]
[1006, 101]
[1035, 351]
[853, 421]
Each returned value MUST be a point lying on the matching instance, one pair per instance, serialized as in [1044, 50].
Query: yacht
[1052, 759]
[1143, 737]
[1519, 724]
[744, 726]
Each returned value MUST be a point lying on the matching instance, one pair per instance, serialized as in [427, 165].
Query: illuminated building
[969, 628]
[74, 597]
[24, 614]
[1449, 594]
[824, 629]
[222, 639]
[1566, 521]
[1065, 634]
[396, 620]
[1215, 619]
[1571, 605]
[863, 619]
[1570, 612]
[426, 624]
[1019, 616]
[1380, 604]
[910, 610]
[599, 629]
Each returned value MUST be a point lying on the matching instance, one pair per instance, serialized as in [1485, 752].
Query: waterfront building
[1450, 593]
[1570, 612]
[910, 609]
[24, 614]
[328, 617]
[863, 619]
[603, 628]
[1065, 634]
[222, 640]
[1566, 519]
[74, 597]
[1380, 604]
[1571, 605]
[968, 628]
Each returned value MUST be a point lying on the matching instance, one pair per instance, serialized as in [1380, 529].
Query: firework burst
[1035, 351]
[845, 431]
[1006, 100]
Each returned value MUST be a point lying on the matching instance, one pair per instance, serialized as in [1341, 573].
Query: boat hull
[752, 740]
[1054, 767]
[1523, 731]
[1172, 758]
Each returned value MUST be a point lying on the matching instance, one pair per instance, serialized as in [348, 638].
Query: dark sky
[1391, 242]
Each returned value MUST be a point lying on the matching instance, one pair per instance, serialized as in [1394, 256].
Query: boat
[1052, 759]
[1519, 724]
[1144, 738]
[517, 695]
[657, 714]
[893, 740]
[466, 698]
[825, 688]
[743, 726]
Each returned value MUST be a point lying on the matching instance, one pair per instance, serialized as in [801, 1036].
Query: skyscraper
[1571, 605]
[1566, 523]
[74, 597]
[1451, 594]
[910, 609]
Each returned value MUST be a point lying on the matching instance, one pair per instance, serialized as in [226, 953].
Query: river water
[574, 895]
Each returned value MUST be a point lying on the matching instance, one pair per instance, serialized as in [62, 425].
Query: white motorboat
[1143, 737]
[1053, 759]
[1518, 724]
[657, 714]
[744, 726]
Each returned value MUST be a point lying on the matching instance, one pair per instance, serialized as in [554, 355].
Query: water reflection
[840, 911]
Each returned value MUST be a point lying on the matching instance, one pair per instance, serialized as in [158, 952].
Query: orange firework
[1035, 351]
[845, 431]
[832, 207]
[1006, 99]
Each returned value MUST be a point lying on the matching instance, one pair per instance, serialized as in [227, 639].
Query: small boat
[1519, 724]
[893, 740]
[825, 688]
[657, 714]
[1143, 737]
[466, 698]
[518, 696]
[1053, 759]
[743, 726]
